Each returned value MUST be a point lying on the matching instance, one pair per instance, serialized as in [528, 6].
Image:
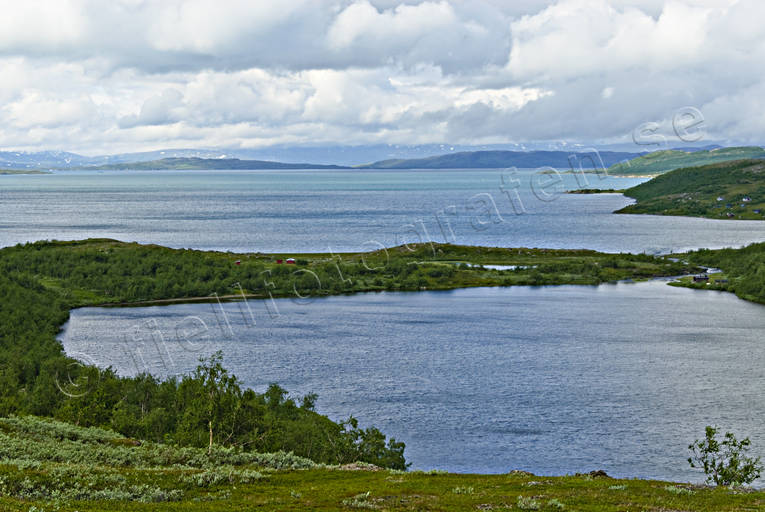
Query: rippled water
[552, 380]
[317, 211]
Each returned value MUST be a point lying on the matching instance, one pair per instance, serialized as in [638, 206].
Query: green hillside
[728, 190]
[660, 162]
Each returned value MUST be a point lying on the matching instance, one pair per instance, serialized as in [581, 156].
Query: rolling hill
[660, 162]
[727, 190]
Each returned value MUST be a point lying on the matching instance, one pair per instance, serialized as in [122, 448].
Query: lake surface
[345, 210]
[553, 380]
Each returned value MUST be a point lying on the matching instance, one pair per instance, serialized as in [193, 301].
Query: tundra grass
[49, 465]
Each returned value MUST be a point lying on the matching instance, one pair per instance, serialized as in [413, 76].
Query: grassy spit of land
[100, 271]
[596, 191]
[22, 171]
[49, 465]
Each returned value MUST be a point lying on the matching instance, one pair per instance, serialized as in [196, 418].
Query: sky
[136, 75]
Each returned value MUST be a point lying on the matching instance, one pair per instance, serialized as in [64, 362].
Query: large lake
[317, 211]
[552, 380]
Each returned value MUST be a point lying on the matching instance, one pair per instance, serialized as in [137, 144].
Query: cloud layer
[141, 74]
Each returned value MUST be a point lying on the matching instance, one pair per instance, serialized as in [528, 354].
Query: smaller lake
[553, 380]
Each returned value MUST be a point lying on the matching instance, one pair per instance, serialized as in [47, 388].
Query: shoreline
[212, 299]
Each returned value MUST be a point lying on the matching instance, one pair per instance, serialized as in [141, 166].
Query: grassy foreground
[48, 465]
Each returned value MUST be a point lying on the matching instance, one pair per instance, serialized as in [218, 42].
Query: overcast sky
[125, 75]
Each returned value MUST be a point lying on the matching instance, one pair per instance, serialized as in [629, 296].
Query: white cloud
[164, 108]
[36, 110]
[581, 37]
[429, 32]
[36, 25]
[144, 74]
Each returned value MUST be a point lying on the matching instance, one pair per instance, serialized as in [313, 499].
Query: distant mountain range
[320, 155]
[208, 163]
[66, 160]
[205, 159]
[463, 160]
[40, 159]
[617, 162]
[562, 160]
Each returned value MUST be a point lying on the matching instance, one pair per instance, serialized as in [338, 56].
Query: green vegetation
[734, 190]
[724, 462]
[743, 271]
[52, 466]
[99, 271]
[194, 163]
[660, 162]
[596, 191]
